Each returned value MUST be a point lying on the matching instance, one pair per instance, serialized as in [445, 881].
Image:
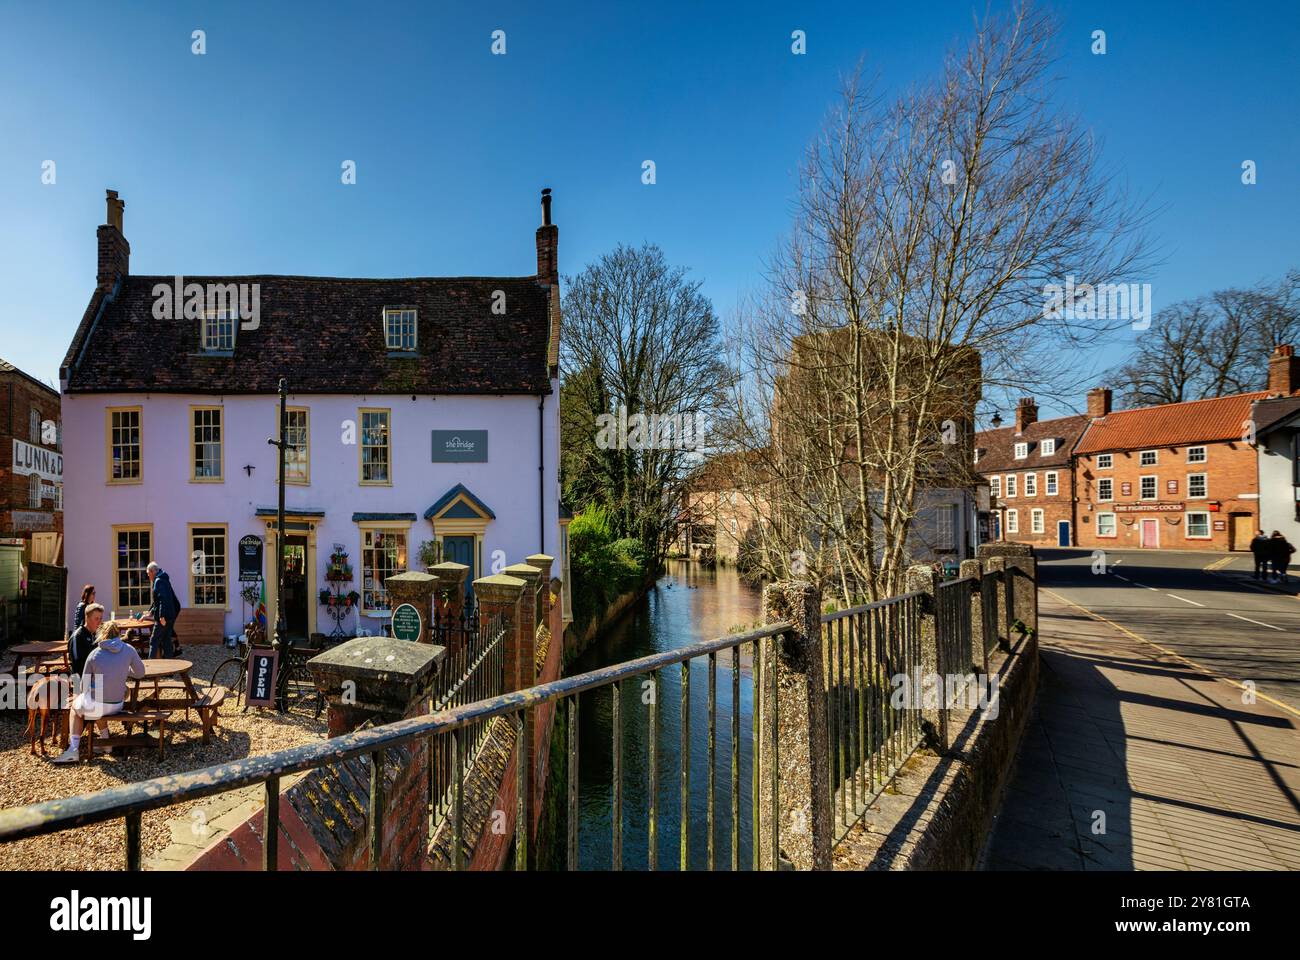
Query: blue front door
[461, 550]
[1062, 533]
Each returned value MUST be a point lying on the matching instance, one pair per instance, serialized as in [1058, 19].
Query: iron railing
[474, 669]
[868, 651]
[131, 801]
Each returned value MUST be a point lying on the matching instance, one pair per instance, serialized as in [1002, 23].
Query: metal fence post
[921, 578]
[792, 733]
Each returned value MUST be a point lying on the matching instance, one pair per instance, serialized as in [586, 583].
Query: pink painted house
[420, 410]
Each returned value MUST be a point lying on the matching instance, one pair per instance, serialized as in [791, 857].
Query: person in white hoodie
[103, 686]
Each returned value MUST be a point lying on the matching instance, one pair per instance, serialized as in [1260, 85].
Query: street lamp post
[280, 641]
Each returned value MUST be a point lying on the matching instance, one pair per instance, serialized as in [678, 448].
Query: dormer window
[1047, 447]
[1022, 451]
[399, 329]
[219, 331]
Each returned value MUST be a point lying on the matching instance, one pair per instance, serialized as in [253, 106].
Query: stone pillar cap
[411, 576]
[540, 558]
[523, 570]
[499, 587]
[448, 566]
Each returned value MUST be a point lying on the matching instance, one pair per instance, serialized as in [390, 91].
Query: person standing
[1259, 548]
[87, 598]
[1281, 555]
[164, 608]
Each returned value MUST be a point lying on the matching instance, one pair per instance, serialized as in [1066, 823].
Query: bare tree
[1211, 346]
[926, 233]
[640, 361]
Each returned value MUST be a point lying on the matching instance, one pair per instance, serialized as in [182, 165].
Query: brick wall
[1231, 491]
[20, 396]
[1056, 507]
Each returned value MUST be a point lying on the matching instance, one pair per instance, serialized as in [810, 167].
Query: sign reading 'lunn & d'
[47, 464]
[460, 446]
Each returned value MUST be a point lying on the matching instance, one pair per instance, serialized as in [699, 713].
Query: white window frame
[1155, 458]
[1031, 484]
[1109, 495]
[1013, 521]
[1205, 486]
[1155, 486]
[1187, 526]
[1047, 447]
[1036, 520]
[217, 330]
[1205, 454]
[1021, 451]
[1114, 526]
[1011, 486]
[995, 487]
[401, 329]
[1050, 485]
[1109, 459]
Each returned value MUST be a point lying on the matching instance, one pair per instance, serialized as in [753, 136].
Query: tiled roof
[998, 446]
[1170, 424]
[1269, 413]
[324, 335]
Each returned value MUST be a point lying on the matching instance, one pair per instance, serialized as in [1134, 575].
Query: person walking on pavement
[1259, 548]
[1281, 555]
[164, 608]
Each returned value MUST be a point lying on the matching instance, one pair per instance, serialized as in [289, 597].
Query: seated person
[103, 686]
[82, 641]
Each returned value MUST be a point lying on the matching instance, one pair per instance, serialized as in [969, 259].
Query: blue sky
[230, 162]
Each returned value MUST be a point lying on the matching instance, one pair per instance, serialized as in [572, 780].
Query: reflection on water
[688, 604]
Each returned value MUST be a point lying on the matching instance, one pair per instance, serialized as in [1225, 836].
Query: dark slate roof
[1273, 412]
[451, 495]
[999, 445]
[324, 335]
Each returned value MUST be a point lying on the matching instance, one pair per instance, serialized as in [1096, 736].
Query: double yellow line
[1170, 653]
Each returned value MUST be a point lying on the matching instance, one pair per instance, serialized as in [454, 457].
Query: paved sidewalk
[1186, 774]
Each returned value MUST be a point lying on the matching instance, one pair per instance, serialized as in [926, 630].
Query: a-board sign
[406, 623]
[262, 665]
[250, 558]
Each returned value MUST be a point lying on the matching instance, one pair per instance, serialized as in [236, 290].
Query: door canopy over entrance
[459, 521]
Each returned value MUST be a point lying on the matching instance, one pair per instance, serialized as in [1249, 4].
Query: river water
[689, 603]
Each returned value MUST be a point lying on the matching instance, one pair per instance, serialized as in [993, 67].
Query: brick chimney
[548, 244]
[1026, 413]
[114, 251]
[1283, 377]
[1098, 402]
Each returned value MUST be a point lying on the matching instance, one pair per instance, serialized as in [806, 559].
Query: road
[1166, 735]
[1217, 617]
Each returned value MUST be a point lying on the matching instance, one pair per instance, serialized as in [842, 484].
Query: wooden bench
[199, 625]
[209, 708]
[128, 719]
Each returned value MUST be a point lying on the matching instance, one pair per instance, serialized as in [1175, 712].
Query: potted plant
[430, 553]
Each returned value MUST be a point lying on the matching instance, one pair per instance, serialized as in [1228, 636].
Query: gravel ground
[30, 779]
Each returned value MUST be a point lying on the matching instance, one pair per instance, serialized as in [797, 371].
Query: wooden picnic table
[136, 631]
[155, 673]
[42, 650]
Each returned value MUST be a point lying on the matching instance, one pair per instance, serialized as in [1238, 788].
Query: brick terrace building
[1177, 476]
[1027, 466]
[31, 474]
